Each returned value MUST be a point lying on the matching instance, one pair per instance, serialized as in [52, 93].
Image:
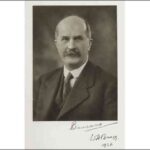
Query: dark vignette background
[103, 21]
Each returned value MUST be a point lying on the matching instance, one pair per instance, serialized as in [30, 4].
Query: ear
[55, 41]
[90, 44]
[56, 44]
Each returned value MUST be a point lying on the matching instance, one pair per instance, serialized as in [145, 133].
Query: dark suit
[93, 97]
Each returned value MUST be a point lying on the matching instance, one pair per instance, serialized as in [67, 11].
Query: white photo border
[56, 134]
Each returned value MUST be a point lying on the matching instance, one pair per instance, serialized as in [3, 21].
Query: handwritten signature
[103, 137]
[90, 127]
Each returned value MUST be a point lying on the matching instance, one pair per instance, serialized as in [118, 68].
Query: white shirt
[75, 73]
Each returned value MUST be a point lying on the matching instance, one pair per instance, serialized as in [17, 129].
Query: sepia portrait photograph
[73, 63]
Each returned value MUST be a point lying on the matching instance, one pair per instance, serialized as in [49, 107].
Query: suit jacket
[93, 97]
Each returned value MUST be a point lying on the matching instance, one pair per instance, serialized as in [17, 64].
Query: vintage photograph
[75, 63]
[74, 75]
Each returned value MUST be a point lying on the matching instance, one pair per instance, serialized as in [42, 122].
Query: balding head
[73, 41]
[73, 21]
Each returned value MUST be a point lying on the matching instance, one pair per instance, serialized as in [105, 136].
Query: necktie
[67, 86]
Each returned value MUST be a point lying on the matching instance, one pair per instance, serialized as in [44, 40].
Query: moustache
[72, 52]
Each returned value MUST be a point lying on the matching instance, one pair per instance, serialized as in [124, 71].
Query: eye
[65, 38]
[78, 38]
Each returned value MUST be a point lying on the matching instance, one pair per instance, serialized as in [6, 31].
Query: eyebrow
[78, 37]
[75, 37]
[65, 37]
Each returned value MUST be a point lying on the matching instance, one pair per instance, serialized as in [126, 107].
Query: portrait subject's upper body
[80, 90]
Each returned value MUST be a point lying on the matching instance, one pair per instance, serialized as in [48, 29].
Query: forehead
[71, 26]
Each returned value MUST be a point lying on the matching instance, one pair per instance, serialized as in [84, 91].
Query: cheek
[84, 49]
[60, 51]
[60, 48]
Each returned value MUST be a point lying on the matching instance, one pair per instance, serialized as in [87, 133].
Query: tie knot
[69, 77]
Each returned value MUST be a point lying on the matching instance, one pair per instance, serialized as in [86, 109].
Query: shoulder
[103, 75]
[49, 75]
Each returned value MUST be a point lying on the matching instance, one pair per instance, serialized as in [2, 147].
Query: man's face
[72, 42]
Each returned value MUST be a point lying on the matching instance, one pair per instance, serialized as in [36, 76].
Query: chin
[73, 63]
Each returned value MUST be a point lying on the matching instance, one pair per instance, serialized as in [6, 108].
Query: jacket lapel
[49, 93]
[80, 90]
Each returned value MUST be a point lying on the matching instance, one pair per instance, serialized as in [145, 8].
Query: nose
[71, 44]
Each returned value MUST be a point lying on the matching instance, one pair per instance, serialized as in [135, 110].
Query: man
[80, 90]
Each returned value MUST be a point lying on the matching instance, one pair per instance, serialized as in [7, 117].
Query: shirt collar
[75, 72]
